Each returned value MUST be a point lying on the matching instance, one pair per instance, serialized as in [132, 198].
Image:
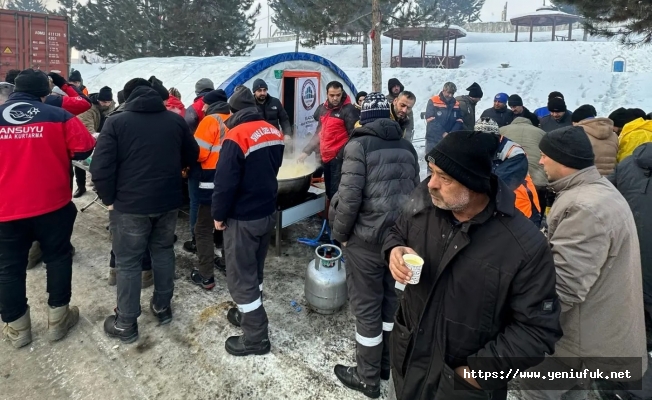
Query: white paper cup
[415, 263]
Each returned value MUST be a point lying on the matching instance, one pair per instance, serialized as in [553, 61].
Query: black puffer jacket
[486, 298]
[140, 154]
[380, 171]
[633, 178]
[273, 112]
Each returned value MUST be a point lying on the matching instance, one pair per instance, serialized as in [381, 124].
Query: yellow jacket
[633, 135]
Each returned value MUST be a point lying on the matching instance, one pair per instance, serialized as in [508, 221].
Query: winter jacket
[176, 106]
[408, 125]
[94, 118]
[404, 123]
[335, 126]
[593, 238]
[544, 112]
[528, 137]
[75, 103]
[245, 177]
[37, 142]
[140, 154]
[527, 114]
[447, 118]
[274, 113]
[195, 113]
[549, 123]
[502, 117]
[467, 109]
[472, 301]
[632, 136]
[604, 141]
[209, 136]
[633, 178]
[379, 172]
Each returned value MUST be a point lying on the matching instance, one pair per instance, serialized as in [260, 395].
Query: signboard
[305, 105]
[7, 50]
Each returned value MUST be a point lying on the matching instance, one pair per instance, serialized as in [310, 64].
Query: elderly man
[594, 242]
[475, 307]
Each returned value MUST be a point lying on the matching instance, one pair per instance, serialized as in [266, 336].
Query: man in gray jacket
[380, 171]
[593, 239]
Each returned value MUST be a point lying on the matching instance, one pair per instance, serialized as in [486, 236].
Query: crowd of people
[534, 226]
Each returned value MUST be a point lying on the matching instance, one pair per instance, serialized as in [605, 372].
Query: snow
[541, 13]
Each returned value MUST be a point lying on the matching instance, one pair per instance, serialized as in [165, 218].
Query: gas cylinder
[325, 287]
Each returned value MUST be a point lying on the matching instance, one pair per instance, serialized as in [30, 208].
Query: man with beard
[93, 120]
[442, 116]
[401, 109]
[271, 109]
[474, 308]
[395, 88]
[499, 111]
[515, 103]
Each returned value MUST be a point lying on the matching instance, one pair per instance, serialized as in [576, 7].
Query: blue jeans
[193, 192]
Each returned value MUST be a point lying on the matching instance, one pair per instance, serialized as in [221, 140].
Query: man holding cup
[486, 295]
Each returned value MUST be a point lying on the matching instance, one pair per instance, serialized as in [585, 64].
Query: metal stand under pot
[325, 287]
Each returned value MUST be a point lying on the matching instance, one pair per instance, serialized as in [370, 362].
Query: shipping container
[33, 40]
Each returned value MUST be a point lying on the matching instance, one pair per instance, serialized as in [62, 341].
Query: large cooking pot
[293, 182]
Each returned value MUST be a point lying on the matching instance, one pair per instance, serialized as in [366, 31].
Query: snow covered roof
[545, 17]
[429, 33]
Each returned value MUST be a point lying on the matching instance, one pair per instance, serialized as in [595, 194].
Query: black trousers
[79, 175]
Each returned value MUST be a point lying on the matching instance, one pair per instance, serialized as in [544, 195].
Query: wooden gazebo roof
[545, 17]
[427, 33]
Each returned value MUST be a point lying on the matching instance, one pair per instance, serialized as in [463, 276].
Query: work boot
[79, 192]
[349, 378]
[239, 346]
[190, 246]
[113, 279]
[60, 320]
[199, 280]
[234, 316]
[114, 328]
[164, 316]
[19, 332]
[220, 264]
[147, 279]
[35, 255]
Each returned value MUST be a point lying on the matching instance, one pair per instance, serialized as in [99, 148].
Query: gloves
[57, 79]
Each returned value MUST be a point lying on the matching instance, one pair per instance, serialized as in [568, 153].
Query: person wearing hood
[359, 99]
[468, 103]
[635, 133]
[194, 113]
[602, 137]
[395, 88]
[76, 79]
[379, 172]
[515, 103]
[499, 112]
[559, 116]
[136, 169]
[244, 207]
[442, 116]
[336, 120]
[209, 135]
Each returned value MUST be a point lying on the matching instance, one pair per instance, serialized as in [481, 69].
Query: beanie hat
[360, 94]
[105, 94]
[487, 125]
[214, 96]
[75, 76]
[584, 112]
[475, 91]
[259, 84]
[121, 96]
[501, 98]
[374, 106]
[515, 101]
[241, 98]
[11, 76]
[33, 82]
[553, 95]
[394, 82]
[556, 104]
[204, 85]
[157, 85]
[569, 146]
[638, 113]
[467, 157]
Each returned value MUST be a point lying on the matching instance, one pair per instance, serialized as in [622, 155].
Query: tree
[27, 5]
[376, 29]
[455, 11]
[633, 16]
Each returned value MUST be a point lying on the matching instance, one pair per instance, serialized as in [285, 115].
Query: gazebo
[424, 35]
[547, 17]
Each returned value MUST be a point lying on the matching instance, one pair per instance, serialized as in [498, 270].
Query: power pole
[269, 29]
[376, 71]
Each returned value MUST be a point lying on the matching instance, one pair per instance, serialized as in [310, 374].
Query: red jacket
[176, 106]
[335, 126]
[75, 103]
[37, 142]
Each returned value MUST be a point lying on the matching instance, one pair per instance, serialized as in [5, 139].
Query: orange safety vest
[527, 197]
[209, 136]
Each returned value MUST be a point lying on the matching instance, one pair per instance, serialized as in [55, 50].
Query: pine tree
[456, 12]
[633, 17]
[27, 5]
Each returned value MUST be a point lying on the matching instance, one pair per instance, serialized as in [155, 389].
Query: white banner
[305, 105]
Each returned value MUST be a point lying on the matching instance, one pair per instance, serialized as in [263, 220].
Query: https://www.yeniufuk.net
[549, 375]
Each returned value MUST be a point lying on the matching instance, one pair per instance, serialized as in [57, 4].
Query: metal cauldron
[293, 189]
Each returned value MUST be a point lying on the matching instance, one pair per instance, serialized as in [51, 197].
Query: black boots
[164, 316]
[190, 246]
[199, 280]
[349, 378]
[239, 346]
[79, 192]
[114, 328]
